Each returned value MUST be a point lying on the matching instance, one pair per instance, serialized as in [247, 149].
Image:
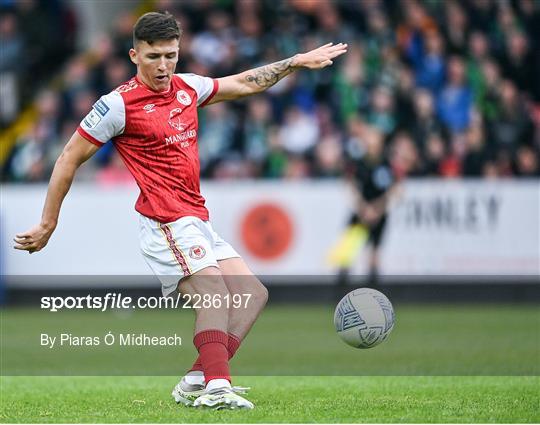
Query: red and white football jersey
[155, 133]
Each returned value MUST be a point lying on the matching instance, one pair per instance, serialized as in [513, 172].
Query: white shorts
[179, 249]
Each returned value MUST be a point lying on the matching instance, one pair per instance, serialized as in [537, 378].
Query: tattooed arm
[259, 79]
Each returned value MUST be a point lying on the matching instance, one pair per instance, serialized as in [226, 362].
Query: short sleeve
[205, 87]
[106, 120]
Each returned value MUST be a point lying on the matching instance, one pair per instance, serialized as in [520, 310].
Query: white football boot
[186, 393]
[222, 398]
[192, 386]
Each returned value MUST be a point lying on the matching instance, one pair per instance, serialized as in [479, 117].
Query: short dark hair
[154, 26]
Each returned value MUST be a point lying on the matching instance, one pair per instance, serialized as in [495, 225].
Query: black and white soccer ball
[364, 318]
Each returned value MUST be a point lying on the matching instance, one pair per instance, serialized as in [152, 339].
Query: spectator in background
[330, 23]
[404, 104]
[390, 68]
[212, 47]
[328, 157]
[530, 16]
[475, 155]
[122, 36]
[296, 168]
[377, 41]
[29, 158]
[430, 66]
[35, 37]
[529, 11]
[434, 154]
[455, 100]
[506, 23]
[478, 53]
[526, 162]
[216, 137]
[425, 122]
[246, 40]
[276, 161]
[487, 100]
[410, 32]
[49, 32]
[101, 54]
[255, 132]
[455, 28]
[324, 116]
[82, 103]
[504, 163]
[481, 14]
[115, 72]
[381, 113]
[512, 126]
[31, 150]
[11, 52]
[76, 79]
[300, 131]
[350, 84]
[404, 157]
[518, 63]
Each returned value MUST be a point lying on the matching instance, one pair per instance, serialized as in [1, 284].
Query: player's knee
[260, 296]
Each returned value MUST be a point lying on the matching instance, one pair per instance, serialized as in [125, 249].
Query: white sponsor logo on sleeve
[92, 119]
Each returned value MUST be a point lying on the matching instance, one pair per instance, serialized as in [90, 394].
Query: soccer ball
[364, 318]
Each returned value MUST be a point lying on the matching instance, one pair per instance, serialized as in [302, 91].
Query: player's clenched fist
[34, 239]
[320, 57]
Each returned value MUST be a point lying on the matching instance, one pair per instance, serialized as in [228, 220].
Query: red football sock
[213, 354]
[232, 347]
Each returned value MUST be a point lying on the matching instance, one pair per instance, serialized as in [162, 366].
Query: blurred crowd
[35, 38]
[451, 87]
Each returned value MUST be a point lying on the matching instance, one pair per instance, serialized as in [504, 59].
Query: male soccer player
[152, 120]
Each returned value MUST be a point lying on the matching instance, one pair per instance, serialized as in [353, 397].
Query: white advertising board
[442, 228]
[472, 228]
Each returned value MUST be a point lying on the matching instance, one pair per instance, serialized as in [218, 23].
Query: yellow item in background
[344, 251]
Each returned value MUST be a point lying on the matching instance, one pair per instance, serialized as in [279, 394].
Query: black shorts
[376, 230]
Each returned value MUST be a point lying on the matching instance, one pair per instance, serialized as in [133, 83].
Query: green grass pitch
[442, 363]
[277, 399]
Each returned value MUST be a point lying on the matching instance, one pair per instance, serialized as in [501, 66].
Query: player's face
[156, 62]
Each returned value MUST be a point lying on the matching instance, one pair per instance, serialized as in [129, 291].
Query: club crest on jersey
[174, 119]
[197, 252]
[149, 108]
[183, 97]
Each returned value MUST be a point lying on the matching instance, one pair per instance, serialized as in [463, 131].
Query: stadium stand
[445, 82]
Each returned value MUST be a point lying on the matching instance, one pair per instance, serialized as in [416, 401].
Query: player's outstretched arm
[259, 79]
[77, 151]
